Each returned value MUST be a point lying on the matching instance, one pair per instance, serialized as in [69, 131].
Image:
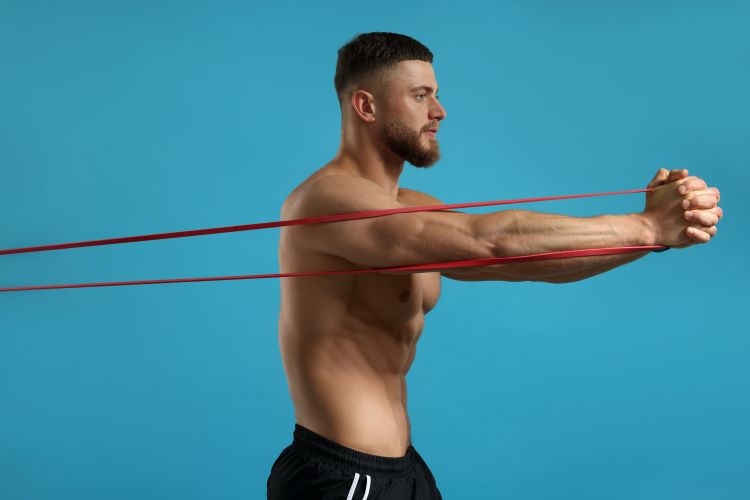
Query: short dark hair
[368, 55]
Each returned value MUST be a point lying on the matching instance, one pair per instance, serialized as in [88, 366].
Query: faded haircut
[366, 59]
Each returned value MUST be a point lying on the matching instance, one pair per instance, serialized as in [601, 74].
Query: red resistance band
[565, 254]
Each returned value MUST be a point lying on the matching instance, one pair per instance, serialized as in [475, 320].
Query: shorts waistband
[352, 460]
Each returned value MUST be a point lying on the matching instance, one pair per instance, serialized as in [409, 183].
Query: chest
[395, 299]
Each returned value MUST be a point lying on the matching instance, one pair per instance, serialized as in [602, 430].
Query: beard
[407, 143]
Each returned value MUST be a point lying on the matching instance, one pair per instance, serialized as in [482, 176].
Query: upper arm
[387, 241]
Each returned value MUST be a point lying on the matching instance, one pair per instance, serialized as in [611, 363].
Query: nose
[437, 112]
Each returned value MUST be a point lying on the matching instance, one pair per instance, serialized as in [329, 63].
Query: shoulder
[416, 198]
[337, 194]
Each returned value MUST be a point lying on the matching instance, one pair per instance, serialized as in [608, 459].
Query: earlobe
[363, 105]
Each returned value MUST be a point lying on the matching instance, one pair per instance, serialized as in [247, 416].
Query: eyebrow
[424, 87]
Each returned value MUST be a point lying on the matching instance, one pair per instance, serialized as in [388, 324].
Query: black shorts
[316, 468]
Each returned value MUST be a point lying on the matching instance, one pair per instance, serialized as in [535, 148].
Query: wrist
[646, 229]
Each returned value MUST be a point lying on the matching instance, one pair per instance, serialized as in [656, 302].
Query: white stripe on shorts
[367, 488]
[354, 486]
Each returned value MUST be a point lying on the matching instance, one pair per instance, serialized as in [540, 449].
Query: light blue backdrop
[121, 118]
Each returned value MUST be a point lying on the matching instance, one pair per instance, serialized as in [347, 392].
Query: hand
[675, 224]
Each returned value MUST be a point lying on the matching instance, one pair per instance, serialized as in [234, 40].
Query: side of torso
[348, 341]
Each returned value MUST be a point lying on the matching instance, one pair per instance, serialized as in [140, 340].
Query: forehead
[409, 74]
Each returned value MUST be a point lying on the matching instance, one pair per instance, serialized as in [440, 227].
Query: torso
[348, 341]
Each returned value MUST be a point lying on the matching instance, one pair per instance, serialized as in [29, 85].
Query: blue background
[122, 118]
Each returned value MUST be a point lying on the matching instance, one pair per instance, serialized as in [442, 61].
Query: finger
[718, 193]
[700, 235]
[700, 199]
[659, 178]
[691, 183]
[702, 217]
[676, 175]
[709, 230]
[718, 211]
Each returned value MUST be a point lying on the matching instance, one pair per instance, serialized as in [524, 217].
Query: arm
[534, 232]
[703, 213]
[423, 237]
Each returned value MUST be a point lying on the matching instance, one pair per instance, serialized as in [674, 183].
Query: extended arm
[526, 232]
[703, 213]
[426, 237]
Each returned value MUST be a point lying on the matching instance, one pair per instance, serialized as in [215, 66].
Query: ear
[363, 104]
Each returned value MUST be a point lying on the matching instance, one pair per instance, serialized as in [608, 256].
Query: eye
[420, 96]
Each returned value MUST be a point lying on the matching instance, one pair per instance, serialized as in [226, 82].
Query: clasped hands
[676, 193]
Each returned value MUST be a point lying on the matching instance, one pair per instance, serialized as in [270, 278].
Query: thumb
[659, 178]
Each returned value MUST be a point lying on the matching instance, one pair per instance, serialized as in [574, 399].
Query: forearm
[591, 266]
[522, 232]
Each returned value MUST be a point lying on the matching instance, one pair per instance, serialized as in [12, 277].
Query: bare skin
[347, 342]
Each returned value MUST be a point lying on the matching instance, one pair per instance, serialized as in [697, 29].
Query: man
[347, 341]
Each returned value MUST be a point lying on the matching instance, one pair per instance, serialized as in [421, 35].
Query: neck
[359, 155]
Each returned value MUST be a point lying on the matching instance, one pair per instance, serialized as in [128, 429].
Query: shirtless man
[347, 341]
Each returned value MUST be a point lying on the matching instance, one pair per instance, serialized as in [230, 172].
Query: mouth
[432, 132]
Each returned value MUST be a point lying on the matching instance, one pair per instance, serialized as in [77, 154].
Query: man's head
[385, 82]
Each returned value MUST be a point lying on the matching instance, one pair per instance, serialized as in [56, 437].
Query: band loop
[565, 254]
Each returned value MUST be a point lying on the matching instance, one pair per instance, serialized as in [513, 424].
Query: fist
[691, 200]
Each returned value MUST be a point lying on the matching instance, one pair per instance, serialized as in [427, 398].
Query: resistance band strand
[336, 218]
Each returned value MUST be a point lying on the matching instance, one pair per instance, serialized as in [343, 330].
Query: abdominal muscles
[347, 345]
